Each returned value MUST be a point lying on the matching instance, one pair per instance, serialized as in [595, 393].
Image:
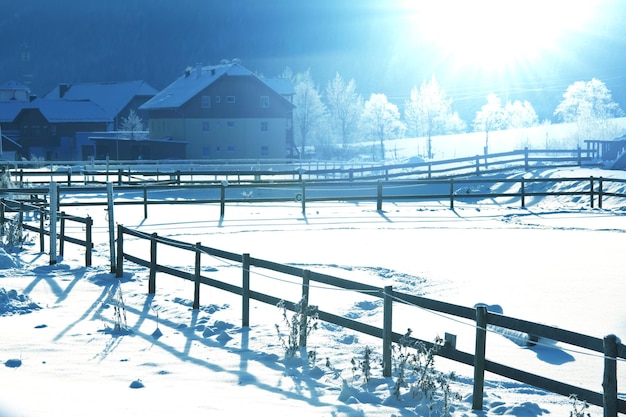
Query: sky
[517, 49]
[557, 262]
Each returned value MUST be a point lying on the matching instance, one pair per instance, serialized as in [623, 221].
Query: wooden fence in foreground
[43, 230]
[610, 348]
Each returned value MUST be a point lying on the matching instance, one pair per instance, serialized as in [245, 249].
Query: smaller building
[224, 112]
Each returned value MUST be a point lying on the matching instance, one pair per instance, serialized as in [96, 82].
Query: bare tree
[490, 117]
[520, 115]
[429, 112]
[309, 113]
[132, 123]
[590, 105]
[344, 107]
[381, 120]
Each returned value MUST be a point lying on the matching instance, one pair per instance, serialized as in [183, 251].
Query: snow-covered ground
[556, 262]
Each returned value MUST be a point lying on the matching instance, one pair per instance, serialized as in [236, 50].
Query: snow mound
[11, 302]
[8, 261]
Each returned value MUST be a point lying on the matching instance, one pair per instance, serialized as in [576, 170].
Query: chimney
[63, 89]
[198, 70]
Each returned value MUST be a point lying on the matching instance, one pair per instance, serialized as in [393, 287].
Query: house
[48, 127]
[14, 91]
[224, 112]
[117, 99]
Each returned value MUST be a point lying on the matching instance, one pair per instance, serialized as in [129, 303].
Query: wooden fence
[609, 347]
[182, 172]
[43, 213]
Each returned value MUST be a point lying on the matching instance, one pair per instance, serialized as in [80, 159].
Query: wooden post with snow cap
[53, 222]
[245, 289]
[479, 357]
[119, 267]
[379, 196]
[110, 216]
[609, 382]
[153, 264]
[304, 307]
[387, 329]
[196, 281]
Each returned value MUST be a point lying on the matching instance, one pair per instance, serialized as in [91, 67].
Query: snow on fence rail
[609, 348]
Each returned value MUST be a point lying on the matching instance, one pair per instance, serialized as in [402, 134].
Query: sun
[495, 35]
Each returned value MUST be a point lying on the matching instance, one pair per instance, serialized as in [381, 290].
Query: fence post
[580, 157]
[304, 306]
[119, 270]
[523, 191]
[451, 193]
[42, 215]
[196, 287]
[591, 192]
[245, 299]
[88, 240]
[477, 164]
[153, 263]
[2, 208]
[223, 198]
[387, 330]
[120, 172]
[53, 222]
[379, 196]
[479, 357]
[526, 158]
[303, 202]
[600, 192]
[62, 234]
[145, 202]
[609, 382]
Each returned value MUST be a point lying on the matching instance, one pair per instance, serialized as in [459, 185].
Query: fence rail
[609, 347]
[194, 172]
[22, 207]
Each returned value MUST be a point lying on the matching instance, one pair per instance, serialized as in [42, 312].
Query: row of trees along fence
[611, 349]
[130, 172]
[43, 229]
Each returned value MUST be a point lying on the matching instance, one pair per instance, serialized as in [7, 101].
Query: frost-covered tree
[590, 105]
[490, 117]
[520, 114]
[132, 123]
[344, 107]
[380, 120]
[428, 112]
[309, 113]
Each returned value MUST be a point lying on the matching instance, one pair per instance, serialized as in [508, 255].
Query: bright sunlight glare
[497, 34]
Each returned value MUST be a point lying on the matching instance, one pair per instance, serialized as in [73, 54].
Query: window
[230, 99]
[264, 127]
[218, 99]
[265, 102]
[231, 148]
[206, 151]
[265, 150]
[230, 124]
[205, 102]
[206, 126]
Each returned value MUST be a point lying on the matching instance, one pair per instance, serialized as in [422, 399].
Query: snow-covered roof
[194, 80]
[9, 109]
[13, 85]
[57, 110]
[113, 97]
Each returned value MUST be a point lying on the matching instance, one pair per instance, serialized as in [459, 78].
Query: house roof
[113, 97]
[192, 82]
[13, 85]
[57, 110]
[9, 109]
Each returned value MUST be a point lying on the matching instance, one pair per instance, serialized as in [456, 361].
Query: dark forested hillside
[155, 40]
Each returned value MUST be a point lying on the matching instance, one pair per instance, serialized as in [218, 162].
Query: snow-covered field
[556, 262]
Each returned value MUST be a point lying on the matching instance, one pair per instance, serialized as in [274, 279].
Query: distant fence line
[180, 172]
[610, 348]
